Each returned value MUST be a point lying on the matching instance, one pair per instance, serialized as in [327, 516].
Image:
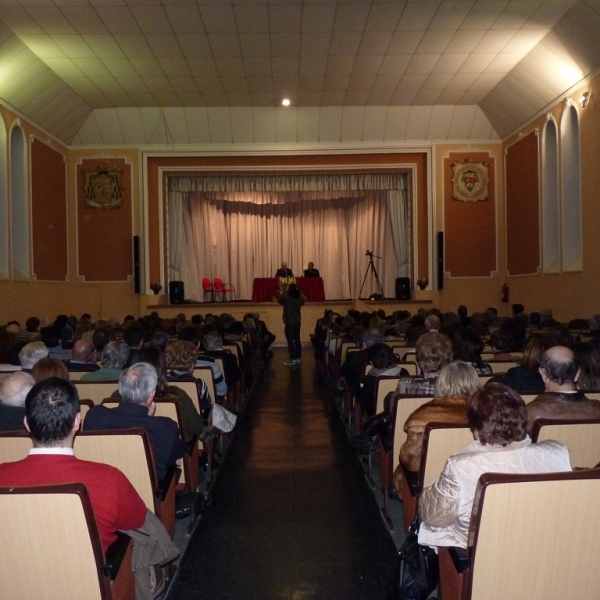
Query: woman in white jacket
[498, 419]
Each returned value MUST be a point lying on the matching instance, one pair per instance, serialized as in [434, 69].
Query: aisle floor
[292, 515]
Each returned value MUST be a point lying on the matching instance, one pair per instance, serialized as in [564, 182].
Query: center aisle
[292, 515]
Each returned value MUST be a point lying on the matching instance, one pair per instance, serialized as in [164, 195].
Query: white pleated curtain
[239, 228]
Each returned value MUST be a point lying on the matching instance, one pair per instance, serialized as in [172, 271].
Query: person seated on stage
[311, 271]
[284, 271]
[13, 391]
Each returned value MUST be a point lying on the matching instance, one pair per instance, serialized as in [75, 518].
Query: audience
[13, 391]
[457, 382]
[49, 367]
[497, 417]
[561, 400]
[137, 387]
[83, 356]
[31, 353]
[434, 351]
[114, 357]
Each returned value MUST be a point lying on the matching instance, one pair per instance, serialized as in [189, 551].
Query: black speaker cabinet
[402, 288]
[136, 263]
[440, 260]
[176, 293]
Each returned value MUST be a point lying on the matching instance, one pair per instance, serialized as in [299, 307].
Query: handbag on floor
[418, 570]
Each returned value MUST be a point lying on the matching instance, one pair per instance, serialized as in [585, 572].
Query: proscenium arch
[571, 246]
[550, 197]
[19, 206]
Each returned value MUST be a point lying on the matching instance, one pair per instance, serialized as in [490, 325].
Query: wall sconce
[583, 102]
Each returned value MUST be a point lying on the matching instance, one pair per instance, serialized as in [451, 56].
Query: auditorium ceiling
[215, 71]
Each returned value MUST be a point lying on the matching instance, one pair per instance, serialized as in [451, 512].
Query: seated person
[83, 356]
[53, 419]
[380, 355]
[213, 347]
[434, 351]
[283, 271]
[137, 387]
[49, 367]
[525, 377]
[13, 391]
[114, 357]
[497, 417]
[561, 400]
[311, 271]
[31, 353]
[181, 360]
[351, 372]
[468, 347]
[457, 382]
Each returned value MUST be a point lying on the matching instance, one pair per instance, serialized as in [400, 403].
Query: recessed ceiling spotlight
[286, 102]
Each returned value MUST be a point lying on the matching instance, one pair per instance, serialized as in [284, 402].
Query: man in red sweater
[52, 417]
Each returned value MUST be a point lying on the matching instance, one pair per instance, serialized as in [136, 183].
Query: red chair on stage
[223, 289]
[208, 288]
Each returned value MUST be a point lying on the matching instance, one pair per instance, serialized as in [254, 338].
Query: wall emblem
[470, 181]
[103, 187]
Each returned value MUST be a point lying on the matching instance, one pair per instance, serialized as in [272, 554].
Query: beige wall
[569, 295]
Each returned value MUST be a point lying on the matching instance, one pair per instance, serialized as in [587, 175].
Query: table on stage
[263, 288]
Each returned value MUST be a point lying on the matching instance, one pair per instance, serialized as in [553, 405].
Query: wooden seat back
[383, 387]
[206, 374]
[126, 449]
[14, 445]
[49, 544]
[96, 391]
[165, 407]
[534, 537]
[440, 441]
[580, 436]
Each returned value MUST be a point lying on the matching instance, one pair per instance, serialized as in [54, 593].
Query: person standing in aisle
[292, 301]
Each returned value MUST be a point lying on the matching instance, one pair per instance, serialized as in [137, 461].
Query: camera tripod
[371, 268]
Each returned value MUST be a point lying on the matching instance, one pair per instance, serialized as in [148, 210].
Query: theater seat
[531, 536]
[50, 547]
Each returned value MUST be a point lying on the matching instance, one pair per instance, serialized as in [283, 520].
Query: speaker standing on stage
[292, 301]
[311, 271]
[284, 271]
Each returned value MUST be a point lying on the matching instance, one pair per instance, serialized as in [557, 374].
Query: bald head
[84, 351]
[15, 387]
[559, 369]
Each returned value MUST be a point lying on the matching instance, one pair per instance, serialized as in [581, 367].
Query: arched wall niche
[19, 202]
[571, 246]
[550, 196]
[4, 213]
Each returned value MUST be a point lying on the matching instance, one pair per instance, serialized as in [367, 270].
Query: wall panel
[48, 212]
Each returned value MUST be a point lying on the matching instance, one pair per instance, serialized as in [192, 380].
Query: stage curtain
[238, 228]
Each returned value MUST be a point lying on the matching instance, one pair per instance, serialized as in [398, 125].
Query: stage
[271, 312]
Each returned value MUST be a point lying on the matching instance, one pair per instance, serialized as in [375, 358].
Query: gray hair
[457, 378]
[213, 341]
[31, 353]
[137, 383]
[114, 355]
[15, 387]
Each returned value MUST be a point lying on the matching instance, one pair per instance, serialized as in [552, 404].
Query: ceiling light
[584, 99]
[286, 102]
